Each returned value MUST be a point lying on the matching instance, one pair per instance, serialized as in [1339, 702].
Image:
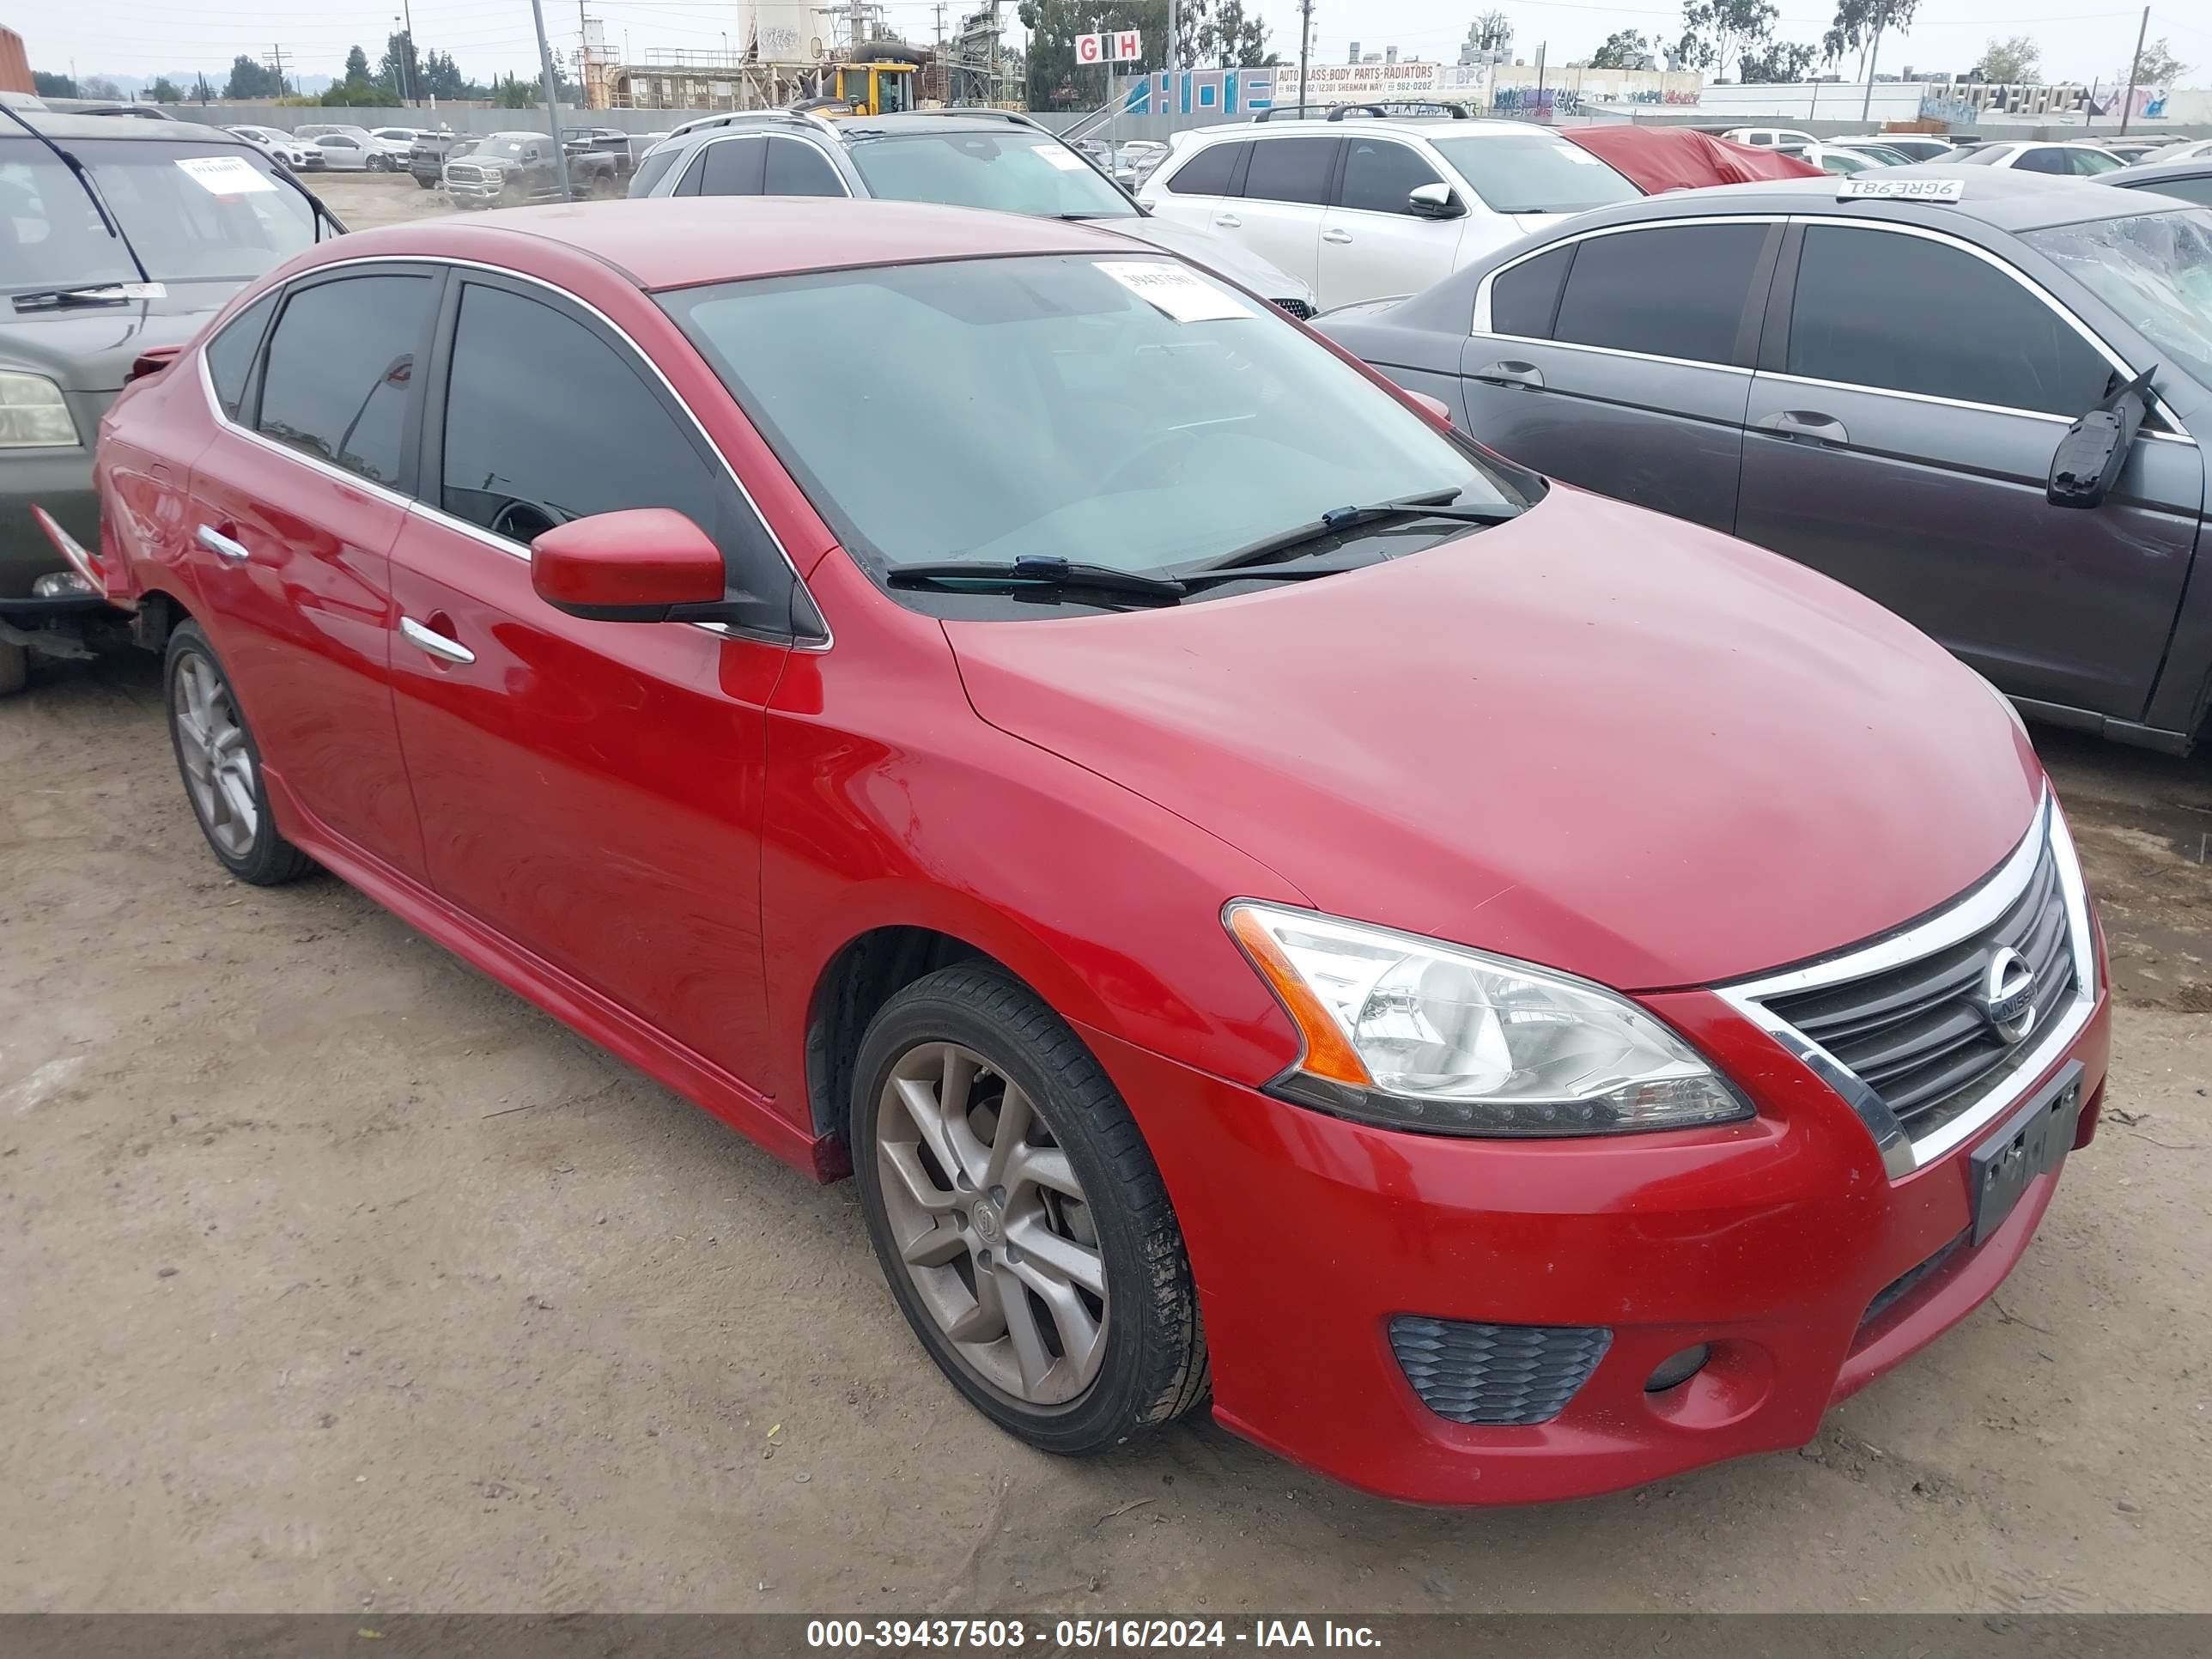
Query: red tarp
[1654, 159]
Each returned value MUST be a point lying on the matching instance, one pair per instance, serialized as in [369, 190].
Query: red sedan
[1516, 995]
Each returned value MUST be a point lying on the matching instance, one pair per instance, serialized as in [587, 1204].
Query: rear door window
[338, 382]
[1524, 297]
[1210, 172]
[729, 167]
[1904, 314]
[1290, 170]
[230, 354]
[1669, 291]
[795, 167]
[2040, 161]
[1380, 174]
[651, 171]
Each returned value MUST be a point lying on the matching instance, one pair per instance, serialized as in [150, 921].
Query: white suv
[1768, 137]
[1374, 208]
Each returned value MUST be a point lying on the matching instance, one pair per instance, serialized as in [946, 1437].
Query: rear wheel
[1019, 1217]
[221, 767]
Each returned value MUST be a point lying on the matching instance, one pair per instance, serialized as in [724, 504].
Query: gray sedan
[1880, 389]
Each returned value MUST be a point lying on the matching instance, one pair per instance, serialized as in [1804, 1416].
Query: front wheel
[427, 184]
[221, 766]
[1019, 1216]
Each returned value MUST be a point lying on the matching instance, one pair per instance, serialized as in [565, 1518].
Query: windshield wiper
[77, 170]
[1040, 571]
[93, 294]
[1437, 504]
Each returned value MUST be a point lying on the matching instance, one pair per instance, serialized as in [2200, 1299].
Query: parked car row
[1509, 989]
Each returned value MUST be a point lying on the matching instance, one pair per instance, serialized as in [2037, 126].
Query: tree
[47, 85]
[202, 90]
[1055, 80]
[442, 78]
[356, 66]
[1777, 62]
[100, 86]
[1860, 24]
[250, 80]
[165, 91]
[1623, 49]
[2007, 63]
[1717, 33]
[1229, 39]
[2157, 66]
[401, 71]
[511, 92]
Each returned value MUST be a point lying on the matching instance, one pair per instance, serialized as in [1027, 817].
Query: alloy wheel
[218, 764]
[991, 1225]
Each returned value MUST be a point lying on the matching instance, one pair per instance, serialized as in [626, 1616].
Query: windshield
[1017, 171]
[1534, 173]
[195, 212]
[1046, 406]
[2095, 161]
[512, 146]
[2156, 271]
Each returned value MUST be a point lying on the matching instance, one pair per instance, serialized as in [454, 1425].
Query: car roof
[2150, 173]
[1426, 126]
[2000, 198]
[61, 128]
[681, 241]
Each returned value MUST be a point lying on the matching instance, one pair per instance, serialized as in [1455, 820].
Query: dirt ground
[334, 1277]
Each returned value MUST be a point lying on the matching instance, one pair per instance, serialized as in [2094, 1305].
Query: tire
[427, 184]
[15, 668]
[220, 766]
[972, 1238]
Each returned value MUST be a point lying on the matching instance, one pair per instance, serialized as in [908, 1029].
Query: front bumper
[60, 481]
[473, 192]
[1768, 1241]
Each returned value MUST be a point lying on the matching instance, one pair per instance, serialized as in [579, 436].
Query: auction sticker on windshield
[1912, 190]
[1182, 295]
[1065, 161]
[225, 175]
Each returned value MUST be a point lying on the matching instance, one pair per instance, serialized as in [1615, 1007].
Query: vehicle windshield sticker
[1066, 159]
[1915, 189]
[224, 175]
[1180, 293]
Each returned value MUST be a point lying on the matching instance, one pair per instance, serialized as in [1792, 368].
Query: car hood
[1238, 263]
[91, 349]
[1593, 737]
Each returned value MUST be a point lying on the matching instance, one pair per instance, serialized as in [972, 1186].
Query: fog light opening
[1677, 1369]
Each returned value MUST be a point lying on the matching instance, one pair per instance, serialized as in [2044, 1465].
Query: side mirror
[2088, 458]
[1433, 201]
[648, 564]
[1435, 408]
[152, 362]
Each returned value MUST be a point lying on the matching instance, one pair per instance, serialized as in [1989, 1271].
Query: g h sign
[1124, 46]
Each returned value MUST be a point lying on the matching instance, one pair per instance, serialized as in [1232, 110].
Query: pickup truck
[427, 159]
[600, 141]
[509, 169]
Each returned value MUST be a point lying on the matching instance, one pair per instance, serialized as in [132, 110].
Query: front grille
[1497, 1376]
[1297, 309]
[464, 175]
[1916, 1033]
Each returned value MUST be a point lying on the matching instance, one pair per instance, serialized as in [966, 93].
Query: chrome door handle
[1336, 236]
[1228, 221]
[1527, 376]
[222, 545]
[1804, 424]
[433, 641]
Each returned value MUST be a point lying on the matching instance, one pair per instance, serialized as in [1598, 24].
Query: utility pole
[277, 57]
[552, 98]
[583, 54]
[412, 92]
[1874, 59]
[1305, 41]
[2128, 103]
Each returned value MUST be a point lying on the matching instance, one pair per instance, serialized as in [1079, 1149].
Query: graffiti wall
[1225, 93]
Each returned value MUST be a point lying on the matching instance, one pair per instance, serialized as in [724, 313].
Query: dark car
[1878, 387]
[428, 155]
[128, 256]
[2185, 181]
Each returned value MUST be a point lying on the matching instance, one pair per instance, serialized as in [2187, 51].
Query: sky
[2081, 40]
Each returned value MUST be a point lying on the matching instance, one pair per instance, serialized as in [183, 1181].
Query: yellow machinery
[880, 88]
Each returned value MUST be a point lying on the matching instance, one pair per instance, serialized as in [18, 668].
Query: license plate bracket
[2032, 1141]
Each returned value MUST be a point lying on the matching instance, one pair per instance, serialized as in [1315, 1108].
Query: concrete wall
[460, 118]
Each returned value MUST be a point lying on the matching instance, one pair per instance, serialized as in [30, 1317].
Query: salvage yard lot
[356, 1282]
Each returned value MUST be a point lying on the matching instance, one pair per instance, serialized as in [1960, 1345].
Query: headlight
[32, 413]
[1414, 1034]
